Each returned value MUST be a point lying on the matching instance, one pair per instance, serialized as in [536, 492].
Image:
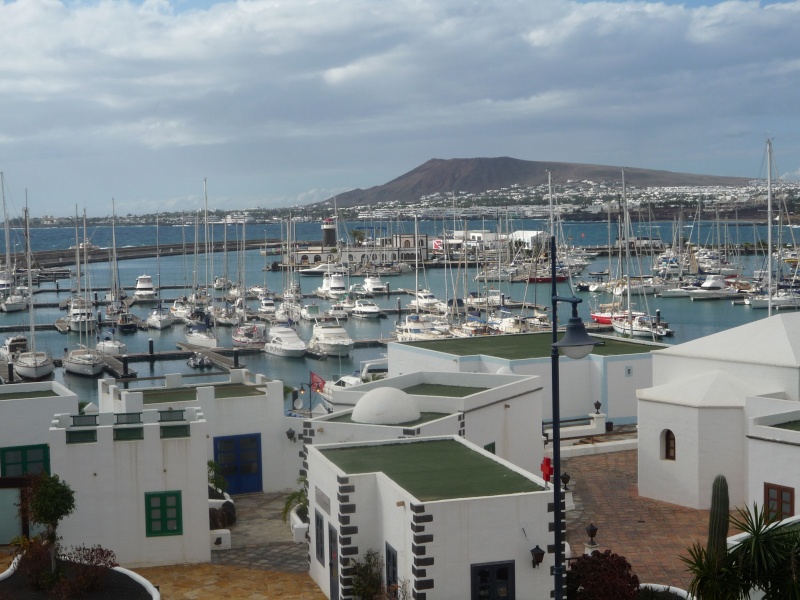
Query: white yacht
[322, 268]
[282, 340]
[366, 309]
[333, 286]
[83, 361]
[12, 347]
[160, 318]
[34, 365]
[266, 307]
[80, 316]
[202, 336]
[331, 338]
[374, 285]
[110, 345]
[145, 291]
[414, 328]
[15, 301]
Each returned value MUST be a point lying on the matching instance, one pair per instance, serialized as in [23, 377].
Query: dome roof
[505, 370]
[385, 406]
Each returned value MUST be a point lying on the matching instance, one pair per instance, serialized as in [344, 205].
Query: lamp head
[537, 554]
[575, 343]
[291, 435]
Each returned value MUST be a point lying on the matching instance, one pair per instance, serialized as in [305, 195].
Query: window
[319, 535]
[778, 501]
[24, 460]
[668, 445]
[391, 571]
[163, 513]
[493, 581]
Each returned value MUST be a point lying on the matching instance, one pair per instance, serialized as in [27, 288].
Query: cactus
[718, 519]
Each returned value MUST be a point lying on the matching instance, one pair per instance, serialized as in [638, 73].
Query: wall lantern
[565, 477]
[591, 531]
[291, 435]
[537, 554]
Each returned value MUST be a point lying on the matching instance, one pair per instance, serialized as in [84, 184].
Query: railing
[84, 420]
[128, 418]
[165, 416]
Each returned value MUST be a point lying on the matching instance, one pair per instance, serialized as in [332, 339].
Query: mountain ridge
[476, 175]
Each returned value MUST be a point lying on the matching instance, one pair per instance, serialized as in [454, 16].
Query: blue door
[240, 459]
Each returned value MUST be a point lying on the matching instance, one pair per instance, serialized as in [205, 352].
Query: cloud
[283, 102]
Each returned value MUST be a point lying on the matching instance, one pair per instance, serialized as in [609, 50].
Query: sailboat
[32, 364]
[16, 300]
[204, 335]
[160, 317]
[80, 317]
[84, 360]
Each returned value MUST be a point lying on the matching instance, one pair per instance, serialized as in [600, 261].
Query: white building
[26, 410]
[611, 374]
[447, 518]
[725, 404]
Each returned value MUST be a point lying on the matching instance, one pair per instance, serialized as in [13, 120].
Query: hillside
[475, 175]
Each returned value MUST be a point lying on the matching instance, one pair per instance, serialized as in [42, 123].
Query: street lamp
[576, 344]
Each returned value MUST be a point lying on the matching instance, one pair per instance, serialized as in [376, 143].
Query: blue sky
[285, 103]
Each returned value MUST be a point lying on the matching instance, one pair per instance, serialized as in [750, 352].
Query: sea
[689, 320]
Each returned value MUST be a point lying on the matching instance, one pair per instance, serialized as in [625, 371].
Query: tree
[49, 501]
[600, 576]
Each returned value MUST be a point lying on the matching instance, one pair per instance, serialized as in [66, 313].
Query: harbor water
[689, 320]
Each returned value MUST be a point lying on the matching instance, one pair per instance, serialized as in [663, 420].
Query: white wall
[676, 480]
[262, 413]
[26, 421]
[722, 452]
[110, 479]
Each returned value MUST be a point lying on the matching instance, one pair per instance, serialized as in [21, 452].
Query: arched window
[406, 243]
[668, 445]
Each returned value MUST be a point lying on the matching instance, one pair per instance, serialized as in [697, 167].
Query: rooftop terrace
[188, 393]
[527, 345]
[433, 470]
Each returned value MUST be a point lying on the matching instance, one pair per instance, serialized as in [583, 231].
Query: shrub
[298, 498]
[601, 576]
[34, 564]
[88, 566]
[368, 576]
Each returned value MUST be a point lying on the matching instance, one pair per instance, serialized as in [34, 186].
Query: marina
[180, 267]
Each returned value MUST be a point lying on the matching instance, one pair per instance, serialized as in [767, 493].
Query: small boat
[330, 338]
[80, 316]
[249, 335]
[644, 327]
[83, 361]
[338, 310]
[345, 381]
[414, 328]
[282, 340]
[322, 268]
[15, 301]
[110, 345]
[222, 283]
[12, 347]
[199, 361]
[266, 306]
[333, 286]
[144, 291]
[374, 285]
[127, 323]
[201, 335]
[160, 318]
[366, 309]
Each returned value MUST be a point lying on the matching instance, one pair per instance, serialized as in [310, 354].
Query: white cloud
[282, 102]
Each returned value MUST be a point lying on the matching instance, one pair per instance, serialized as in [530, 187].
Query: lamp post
[576, 344]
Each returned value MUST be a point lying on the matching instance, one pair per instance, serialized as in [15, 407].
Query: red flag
[316, 383]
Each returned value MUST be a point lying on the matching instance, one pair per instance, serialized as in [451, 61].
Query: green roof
[526, 345]
[424, 417]
[440, 389]
[433, 470]
[187, 394]
[792, 425]
[17, 395]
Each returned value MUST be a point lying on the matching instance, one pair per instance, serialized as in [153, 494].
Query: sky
[277, 103]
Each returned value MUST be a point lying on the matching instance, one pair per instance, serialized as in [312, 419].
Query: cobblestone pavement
[651, 535]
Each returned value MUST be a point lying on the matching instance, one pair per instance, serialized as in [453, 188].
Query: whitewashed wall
[676, 480]
[26, 421]
[110, 479]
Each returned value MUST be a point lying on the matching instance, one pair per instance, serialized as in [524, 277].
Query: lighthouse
[328, 233]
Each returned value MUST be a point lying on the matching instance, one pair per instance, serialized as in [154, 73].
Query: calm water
[689, 320]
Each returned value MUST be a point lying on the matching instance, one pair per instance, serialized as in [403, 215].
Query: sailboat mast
[6, 228]
[627, 255]
[769, 228]
[29, 260]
